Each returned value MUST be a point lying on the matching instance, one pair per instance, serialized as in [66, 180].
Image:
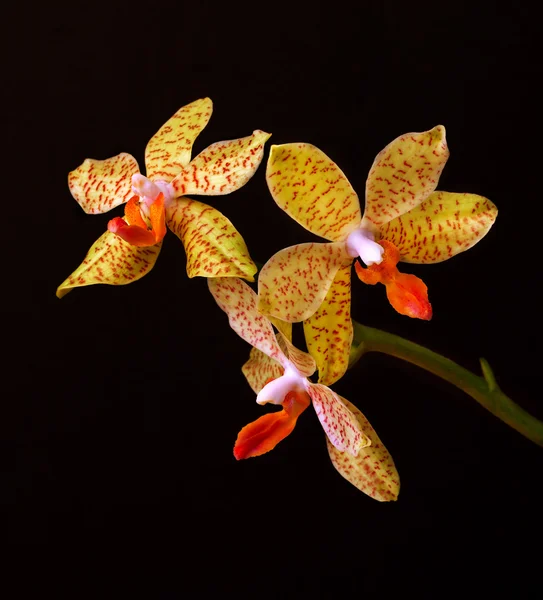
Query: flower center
[361, 243]
[276, 391]
[148, 190]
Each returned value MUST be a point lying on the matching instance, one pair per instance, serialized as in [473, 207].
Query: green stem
[483, 389]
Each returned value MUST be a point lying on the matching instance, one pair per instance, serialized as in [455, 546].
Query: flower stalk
[483, 389]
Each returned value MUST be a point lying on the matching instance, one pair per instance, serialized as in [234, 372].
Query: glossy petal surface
[169, 150]
[100, 185]
[313, 190]
[403, 175]
[112, 261]
[260, 369]
[238, 301]
[295, 281]
[440, 227]
[329, 331]
[222, 167]
[340, 425]
[213, 245]
[372, 471]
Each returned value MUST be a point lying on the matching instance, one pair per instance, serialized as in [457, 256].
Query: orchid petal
[440, 227]
[223, 167]
[339, 423]
[304, 362]
[329, 331]
[238, 301]
[169, 150]
[403, 175]
[260, 369]
[372, 471]
[111, 261]
[213, 245]
[313, 190]
[100, 185]
[294, 282]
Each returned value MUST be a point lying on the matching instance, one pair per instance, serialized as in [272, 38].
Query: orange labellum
[406, 293]
[265, 433]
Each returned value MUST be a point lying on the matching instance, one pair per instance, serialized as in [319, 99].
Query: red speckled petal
[260, 369]
[313, 190]
[238, 301]
[403, 175]
[372, 471]
[329, 331]
[112, 261]
[100, 185]
[169, 150]
[442, 226]
[223, 167]
[303, 361]
[294, 282]
[341, 426]
[213, 245]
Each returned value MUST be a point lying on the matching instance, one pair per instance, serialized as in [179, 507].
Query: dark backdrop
[117, 427]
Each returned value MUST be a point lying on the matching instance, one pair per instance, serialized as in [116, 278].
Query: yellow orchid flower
[129, 248]
[405, 219]
[278, 373]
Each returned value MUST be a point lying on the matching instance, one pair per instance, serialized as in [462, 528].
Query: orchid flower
[129, 248]
[405, 219]
[278, 373]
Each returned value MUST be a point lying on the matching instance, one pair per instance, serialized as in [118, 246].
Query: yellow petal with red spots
[213, 246]
[100, 185]
[294, 282]
[442, 226]
[238, 301]
[304, 362]
[403, 175]
[340, 425]
[313, 190]
[260, 369]
[372, 471]
[169, 150]
[329, 331]
[112, 261]
[223, 167]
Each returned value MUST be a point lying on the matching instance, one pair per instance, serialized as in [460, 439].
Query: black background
[121, 405]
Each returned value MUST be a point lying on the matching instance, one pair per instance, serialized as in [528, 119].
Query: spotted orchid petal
[372, 471]
[313, 190]
[340, 425]
[260, 369]
[238, 301]
[223, 167]
[329, 331]
[440, 227]
[304, 362]
[100, 185]
[111, 261]
[213, 245]
[403, 175]
[295, 280]
[169, 150]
